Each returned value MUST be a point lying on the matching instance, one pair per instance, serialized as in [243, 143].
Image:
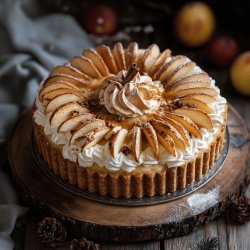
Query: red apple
[100, 19]
[223, 50]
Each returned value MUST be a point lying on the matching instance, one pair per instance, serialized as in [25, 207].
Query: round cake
[129, 122]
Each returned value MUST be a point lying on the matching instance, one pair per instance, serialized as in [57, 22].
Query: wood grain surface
[154, 214]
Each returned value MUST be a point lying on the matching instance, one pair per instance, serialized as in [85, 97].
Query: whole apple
[223, 50]
[240, 73]
[100, 19]
[195, 23]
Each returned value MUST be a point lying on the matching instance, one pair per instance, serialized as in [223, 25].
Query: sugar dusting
[195, 204]
[200, 202]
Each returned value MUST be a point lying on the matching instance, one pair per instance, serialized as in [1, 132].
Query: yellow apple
[240, 73]
[195, 23]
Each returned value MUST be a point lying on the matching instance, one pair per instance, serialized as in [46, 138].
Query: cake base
[107, 222]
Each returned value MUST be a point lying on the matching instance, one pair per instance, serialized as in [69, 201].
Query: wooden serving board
[107, 222]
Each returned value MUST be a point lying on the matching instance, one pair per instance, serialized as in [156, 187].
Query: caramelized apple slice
[151, 137]
[191, 102]
[54, 93]
[85, 65]
[196, 76]
[186, 122]
[189, 84]
[131, 54]
[197, 116]
[180, 129]
[63, 112]
[167, 142]
[149, 57]
[105, 53]
[61, 100]
[69, 70]
[200, 96]
[95, 137]
[97, 61]
[136, 144]
[56, 85]
[182, 70]
[74, 121]
[66, 78]
[190, 91]
[117, 142]
[119, 56]
[162, 58]
[168, 68]
[86, 128]
[166, 128]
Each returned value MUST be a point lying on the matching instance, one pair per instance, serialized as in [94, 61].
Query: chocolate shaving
[132, 72]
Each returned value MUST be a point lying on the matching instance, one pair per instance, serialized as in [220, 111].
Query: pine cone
[83, 244]
[240, 209]
[51, 232]
[208, 244]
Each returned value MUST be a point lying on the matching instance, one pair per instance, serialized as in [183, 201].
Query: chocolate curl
[132, 72]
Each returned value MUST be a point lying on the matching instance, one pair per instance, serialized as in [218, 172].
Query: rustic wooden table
[230, 234]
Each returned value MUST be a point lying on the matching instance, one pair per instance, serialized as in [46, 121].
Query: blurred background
[212, 33]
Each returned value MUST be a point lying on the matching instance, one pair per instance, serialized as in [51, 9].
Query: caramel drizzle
[132, 72]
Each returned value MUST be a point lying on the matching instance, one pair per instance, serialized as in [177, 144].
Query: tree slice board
[107, 222]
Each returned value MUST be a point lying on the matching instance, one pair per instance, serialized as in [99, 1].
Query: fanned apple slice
[191, 102]
[167, 142]
[96, 137]
[140, 54]
[149, 57]
[117, 142]
[56, 85]
[97, 61]
[119, 56]
[184, 92]
[196, 76]
[162, 58]
[181, 70]
[136, 144]
[105, 53]
[200, 96]
[61, 100]
[151, 137]
[86, 128]
[180, 129]
[66, 78]
[199, 117]
[131, 53]
[63, 112]
[54, 93]
[69, 70]
[74, 121]
[186, 122]
[189, 84]
[168, 68]
[85, 65]
[166, 128]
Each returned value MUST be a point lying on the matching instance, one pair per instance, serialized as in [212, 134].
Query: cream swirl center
[140, 95]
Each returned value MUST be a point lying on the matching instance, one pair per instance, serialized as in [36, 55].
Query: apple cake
[129, 122]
